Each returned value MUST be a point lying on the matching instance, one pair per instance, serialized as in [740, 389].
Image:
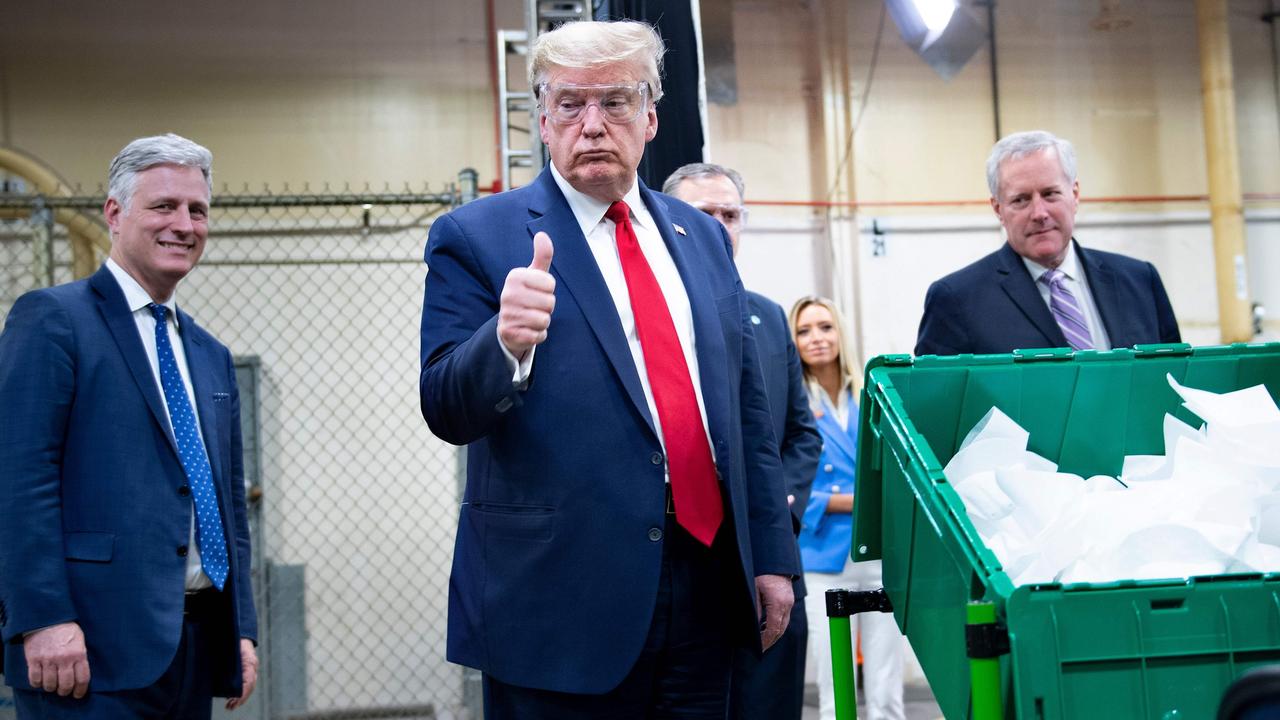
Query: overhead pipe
[1269, 18]
[1101, 199]
[995, 68]
[1217, 88]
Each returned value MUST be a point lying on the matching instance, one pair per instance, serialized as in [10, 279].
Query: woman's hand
[840, 504]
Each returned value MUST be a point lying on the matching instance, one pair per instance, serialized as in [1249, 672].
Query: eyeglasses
[619, 104]
[730, 215]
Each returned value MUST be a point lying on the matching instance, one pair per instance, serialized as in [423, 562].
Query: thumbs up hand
[542, 251]
[528, 297]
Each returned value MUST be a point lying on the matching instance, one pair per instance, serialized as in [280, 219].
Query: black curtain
[679, 139]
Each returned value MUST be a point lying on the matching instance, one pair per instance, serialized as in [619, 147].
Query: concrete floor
[917, 701]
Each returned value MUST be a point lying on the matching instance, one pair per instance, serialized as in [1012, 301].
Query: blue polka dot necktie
[195, 462]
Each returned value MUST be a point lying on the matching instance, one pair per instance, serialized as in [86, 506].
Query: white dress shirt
[818, 398]
[137, 299]
[599, 233]
[1078, 284]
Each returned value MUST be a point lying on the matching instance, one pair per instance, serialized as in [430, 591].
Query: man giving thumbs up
[624, 502]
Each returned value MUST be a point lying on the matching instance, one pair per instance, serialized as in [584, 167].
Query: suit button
[184, 491]
[182, 551]
[828, 467]
[655, 534]
[835, 488]
[656, 458]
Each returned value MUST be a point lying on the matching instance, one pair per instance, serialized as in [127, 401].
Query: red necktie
[694, 487]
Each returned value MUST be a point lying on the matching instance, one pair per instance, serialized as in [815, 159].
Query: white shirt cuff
[520, 369]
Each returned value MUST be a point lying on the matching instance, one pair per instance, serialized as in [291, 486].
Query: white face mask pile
[1209, 506]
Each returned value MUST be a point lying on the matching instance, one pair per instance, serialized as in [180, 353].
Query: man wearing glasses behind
[624, 525]
[770, 687]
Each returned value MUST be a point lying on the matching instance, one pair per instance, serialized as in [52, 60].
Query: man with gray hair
[1042, 289]
[124, 541]
[769, 687]
[623, 526]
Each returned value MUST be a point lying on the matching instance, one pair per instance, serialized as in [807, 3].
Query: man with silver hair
[769, 687]
[624, 525]
[1042, 289]
[124, 541]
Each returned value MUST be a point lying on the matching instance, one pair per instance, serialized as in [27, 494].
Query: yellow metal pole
[86, 235]
[1217, 88]
[83, 259]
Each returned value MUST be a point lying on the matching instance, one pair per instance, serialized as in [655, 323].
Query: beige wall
[1129, 99]
[384, 92]
[397, 91]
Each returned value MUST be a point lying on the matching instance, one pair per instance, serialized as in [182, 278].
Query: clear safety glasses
[567, 104]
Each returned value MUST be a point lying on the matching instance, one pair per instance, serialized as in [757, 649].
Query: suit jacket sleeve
[772, 536]
[37, 386]
[465, 382]
[942, 332]
[248, 619]
[801, 443]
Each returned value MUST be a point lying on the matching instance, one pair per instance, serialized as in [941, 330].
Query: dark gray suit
[993, 306]
[772, 687]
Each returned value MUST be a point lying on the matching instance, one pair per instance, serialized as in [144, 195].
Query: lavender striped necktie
[1066, 310]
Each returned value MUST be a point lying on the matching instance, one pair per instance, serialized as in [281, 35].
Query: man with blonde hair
[624, 525]
[1041, 288]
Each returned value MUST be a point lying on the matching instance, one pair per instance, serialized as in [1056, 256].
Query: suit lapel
[1021, 289]
[576, 271]
[111, 304]
[200, 366]
[841, 440]
[1102, 285]
[709, 337]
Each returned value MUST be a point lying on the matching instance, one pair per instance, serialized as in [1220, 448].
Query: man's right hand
[57, 660]
[528, 297]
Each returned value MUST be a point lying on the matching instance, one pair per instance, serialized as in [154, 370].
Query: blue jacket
[559, 543]
[93, 517]
[825, 539]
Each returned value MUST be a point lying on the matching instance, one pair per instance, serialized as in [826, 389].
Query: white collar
[1070, 265]
[134, 296]
[589, 212]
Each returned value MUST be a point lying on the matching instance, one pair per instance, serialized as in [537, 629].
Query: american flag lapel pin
[679, 229]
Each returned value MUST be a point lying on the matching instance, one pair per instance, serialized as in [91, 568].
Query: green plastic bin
[1134, 649]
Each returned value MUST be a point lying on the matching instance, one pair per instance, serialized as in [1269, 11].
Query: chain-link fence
[353, 501]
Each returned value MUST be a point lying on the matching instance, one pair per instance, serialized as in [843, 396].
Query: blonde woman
[831, 376]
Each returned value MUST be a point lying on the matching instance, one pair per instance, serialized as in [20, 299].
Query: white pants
[881, 643]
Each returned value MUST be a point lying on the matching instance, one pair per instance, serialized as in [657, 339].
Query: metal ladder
[521, 143]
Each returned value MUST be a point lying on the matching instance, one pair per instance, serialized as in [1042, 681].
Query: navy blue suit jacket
[993, 306]
[91, 516]
[799, 441]
[557, 559]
